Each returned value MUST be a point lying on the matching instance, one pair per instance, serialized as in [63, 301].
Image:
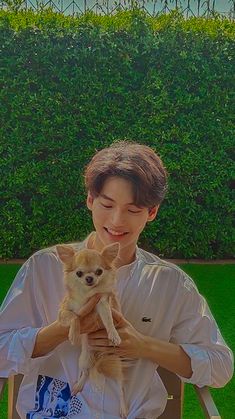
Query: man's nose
[118, 218]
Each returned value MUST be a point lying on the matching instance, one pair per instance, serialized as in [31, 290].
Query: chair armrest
[3, 382]
[207, 402]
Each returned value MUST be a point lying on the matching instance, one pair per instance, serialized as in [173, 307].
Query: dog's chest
[76, 301]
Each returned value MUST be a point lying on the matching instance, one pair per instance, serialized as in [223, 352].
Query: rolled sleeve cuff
[200, 364]
[21, 349]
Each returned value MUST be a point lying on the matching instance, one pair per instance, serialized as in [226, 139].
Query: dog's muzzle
[89, 280]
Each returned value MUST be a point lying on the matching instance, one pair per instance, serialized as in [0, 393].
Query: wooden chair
[173, 384]
[175, 389]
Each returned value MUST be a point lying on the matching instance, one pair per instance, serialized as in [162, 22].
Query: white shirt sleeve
[198, 334]
[20, 321]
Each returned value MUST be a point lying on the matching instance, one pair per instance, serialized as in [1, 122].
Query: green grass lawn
[217, 284]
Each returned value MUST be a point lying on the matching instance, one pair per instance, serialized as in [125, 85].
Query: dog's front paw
[74, 338]
[74, 331]
[114, 337]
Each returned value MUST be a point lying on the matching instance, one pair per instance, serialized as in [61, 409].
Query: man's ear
[89, 201]
[153, 213]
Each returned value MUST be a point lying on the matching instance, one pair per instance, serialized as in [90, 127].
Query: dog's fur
[88, 272]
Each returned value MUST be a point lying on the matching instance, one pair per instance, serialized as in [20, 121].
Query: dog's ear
[65, 252]
[110, 252]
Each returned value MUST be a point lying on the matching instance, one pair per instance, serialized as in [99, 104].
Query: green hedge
[73, 85]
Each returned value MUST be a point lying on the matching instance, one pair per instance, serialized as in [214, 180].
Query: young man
[164, 320]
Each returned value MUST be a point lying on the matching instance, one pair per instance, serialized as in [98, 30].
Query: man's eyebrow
[112, 200]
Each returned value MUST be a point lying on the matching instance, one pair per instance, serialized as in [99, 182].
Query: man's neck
[123, 258]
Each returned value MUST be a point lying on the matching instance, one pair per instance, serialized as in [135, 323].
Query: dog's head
[87, 266]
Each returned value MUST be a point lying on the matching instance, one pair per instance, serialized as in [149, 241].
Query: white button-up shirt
[157, 297]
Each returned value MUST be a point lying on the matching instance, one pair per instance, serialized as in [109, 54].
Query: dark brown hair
[134, 162]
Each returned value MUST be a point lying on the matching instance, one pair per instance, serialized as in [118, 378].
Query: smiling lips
[114, 233]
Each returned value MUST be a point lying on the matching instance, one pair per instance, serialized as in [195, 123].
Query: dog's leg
[104, 310]
[123, 406]
[74, 331]
[65, 316]
[69, 318]
[85, 363]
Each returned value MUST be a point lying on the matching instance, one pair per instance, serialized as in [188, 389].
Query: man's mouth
[115, 233]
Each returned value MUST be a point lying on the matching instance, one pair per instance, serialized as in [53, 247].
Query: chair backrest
[13, 389]
[175, 390]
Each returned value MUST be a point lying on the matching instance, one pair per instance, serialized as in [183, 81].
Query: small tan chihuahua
[88, 272]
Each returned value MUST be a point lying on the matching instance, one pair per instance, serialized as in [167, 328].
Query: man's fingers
[118, 317]
[99, 342]
[89, 306]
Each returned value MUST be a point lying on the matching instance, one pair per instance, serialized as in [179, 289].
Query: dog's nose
[89, 280]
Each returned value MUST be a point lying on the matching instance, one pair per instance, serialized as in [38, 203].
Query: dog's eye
[79, 274]
[98, 272]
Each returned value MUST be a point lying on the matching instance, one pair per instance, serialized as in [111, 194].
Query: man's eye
[134, 212]
[79, 274]
[98, 272]
[106, 206]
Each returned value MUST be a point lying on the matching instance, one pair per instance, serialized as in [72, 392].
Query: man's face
[115, 216]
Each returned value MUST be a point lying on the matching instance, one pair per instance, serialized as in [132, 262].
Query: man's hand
[132, 344]
[90, 320]
[49, 337]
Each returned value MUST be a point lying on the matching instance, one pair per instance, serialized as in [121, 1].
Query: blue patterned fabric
[53, 400]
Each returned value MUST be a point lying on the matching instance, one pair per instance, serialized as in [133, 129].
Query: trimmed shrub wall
[70, 86]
